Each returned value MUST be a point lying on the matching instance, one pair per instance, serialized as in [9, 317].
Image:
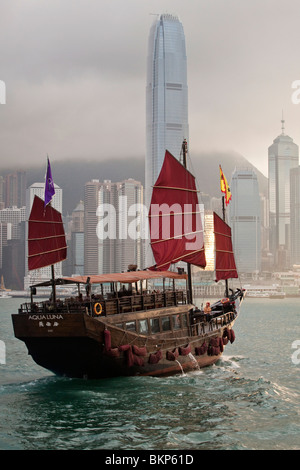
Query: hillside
[71, 175]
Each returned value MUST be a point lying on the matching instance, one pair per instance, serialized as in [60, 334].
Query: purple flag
[49, 185]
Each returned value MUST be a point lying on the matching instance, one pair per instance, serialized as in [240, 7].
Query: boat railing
[136, 302]
[202, 327]
[113, 304]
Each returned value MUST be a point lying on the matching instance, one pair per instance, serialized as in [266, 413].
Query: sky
[75, 76]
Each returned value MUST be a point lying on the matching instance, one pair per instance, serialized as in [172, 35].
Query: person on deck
[207, 308]
[88, 287]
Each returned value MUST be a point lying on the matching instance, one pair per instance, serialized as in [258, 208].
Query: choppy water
[249, 400]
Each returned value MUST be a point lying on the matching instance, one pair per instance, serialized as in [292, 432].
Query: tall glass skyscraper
[245, 220]
[166, 96]
[283, 155]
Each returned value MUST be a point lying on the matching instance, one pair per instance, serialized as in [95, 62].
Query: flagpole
[223, 208]
[227, 194]
[49, 193]
[224, 217]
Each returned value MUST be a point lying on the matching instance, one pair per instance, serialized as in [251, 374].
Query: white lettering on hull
[45, 317]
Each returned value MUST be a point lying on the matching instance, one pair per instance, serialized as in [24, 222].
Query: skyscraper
[129, 244]
[92, 245]
[76, 251]
[166, 96]
[15, 189]
[295, 216]
[283, 155]
[244, 210]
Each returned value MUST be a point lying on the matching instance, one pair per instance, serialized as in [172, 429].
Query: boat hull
[83, 358]
[75, 345]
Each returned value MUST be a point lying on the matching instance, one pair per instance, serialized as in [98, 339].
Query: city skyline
[237, 89]
[238, 211]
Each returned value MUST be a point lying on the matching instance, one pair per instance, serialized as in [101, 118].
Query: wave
[231, 361]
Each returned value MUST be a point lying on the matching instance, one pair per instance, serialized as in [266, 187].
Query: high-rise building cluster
[104, 232]
[110, 210]
[12, 228]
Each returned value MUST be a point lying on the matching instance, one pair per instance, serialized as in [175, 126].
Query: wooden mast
[189, 270]
[53, 295]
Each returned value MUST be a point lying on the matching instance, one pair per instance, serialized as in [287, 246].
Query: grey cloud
[75, 74]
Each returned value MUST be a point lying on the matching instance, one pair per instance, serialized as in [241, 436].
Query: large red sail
[46, 236]
[225, 263]
[175, 222]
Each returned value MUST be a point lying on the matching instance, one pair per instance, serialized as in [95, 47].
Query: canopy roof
[127, 277]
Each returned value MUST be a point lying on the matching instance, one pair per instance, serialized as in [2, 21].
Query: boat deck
[110, 304]
[121, 309]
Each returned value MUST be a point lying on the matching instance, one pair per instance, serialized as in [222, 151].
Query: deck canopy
[127, 277]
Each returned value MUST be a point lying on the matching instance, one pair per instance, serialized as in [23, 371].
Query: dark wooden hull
[75, 344]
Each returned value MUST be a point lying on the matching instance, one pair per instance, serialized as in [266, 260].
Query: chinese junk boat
[133, 329]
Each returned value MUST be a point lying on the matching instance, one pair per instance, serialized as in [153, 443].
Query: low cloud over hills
[71, 175]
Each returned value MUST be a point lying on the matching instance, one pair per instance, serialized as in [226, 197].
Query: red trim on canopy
[127, 277]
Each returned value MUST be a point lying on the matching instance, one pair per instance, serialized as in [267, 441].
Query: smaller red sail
[175, 222]
[46, 236]
[225, 263]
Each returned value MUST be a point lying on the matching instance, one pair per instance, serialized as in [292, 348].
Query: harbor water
[249, 400]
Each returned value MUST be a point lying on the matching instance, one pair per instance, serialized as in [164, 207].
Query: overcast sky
[75, 75]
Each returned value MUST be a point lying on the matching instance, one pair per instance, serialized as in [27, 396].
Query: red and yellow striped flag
[224, 187]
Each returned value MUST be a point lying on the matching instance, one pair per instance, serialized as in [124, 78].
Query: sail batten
[188, 190]
[225, 263]
[181, 258]
[175, 219]
[46, 236]
[176, 237]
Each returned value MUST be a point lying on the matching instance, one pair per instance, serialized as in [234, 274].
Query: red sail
[46, 236]
[175, 222]
[225, 263]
